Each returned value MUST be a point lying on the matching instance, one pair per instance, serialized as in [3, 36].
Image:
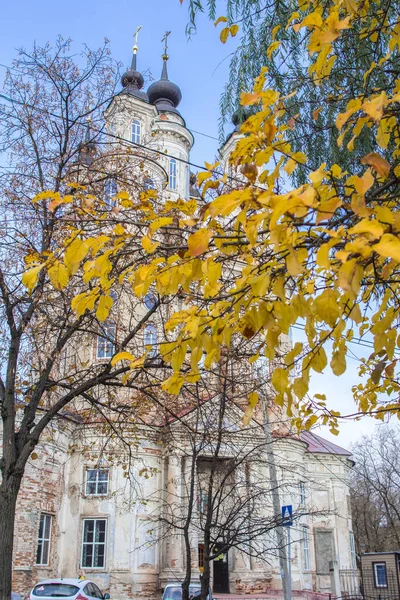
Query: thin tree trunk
[8, 501]
[280, 536]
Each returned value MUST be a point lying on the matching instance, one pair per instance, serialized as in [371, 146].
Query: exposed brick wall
[41, 492]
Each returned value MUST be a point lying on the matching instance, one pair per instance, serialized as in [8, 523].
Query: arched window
[110, 189]
[106, 340]
[135, 136]
[150, 339]
[150, 300]
[172, 174]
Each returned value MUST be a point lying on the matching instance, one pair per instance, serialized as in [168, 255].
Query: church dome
[132, 82]
[164, 94]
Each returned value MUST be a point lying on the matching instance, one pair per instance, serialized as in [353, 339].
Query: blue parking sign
[287, 515]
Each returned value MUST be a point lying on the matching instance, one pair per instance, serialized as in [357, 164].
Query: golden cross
[165, 40]
[136, 35]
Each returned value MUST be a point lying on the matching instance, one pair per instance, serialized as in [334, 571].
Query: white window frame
[172, 174]
[353, 551]
[306, 548]
[104, 347]
[151, 331]
[136, 131]
[110, 190]
[96, 481]
[94, 543]
[302, 493]
[43, 539]
[380, 585]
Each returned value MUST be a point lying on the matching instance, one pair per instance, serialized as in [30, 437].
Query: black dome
[132, 82]
[240, 116]
[165, 94]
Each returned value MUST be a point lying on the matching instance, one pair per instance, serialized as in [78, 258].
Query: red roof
[318, 445]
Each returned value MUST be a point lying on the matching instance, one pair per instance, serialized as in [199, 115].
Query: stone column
[174, 498]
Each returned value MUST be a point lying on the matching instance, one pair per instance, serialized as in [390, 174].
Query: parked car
[73, 589]
[173, 591]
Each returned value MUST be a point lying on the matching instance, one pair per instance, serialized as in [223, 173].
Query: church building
[95, 509]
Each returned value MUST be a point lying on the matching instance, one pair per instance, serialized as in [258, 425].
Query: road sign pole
[289, 554]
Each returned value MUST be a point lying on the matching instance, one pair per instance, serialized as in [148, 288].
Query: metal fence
[366, 588]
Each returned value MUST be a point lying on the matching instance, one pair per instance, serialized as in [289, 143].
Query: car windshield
[55, 590]
[175, 592]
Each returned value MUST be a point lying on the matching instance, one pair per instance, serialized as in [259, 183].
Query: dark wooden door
[221, 574]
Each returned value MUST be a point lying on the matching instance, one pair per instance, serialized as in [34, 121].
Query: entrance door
[221, 574]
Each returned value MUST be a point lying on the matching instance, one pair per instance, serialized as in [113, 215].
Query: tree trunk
[188, 570]
[8, 501]
[205, 579]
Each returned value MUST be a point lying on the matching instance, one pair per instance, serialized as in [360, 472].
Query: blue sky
[198, 65]
[192, 61]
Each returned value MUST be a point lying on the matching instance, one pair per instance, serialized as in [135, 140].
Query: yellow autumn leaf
[234, 29]
[251, 404]
[75, 253]
[173, 384]
[198, 242]
[327, 308]
[58, 275]
[388, 246]
[160, 222]
[104, 306]
[221, 19]
[280, 379]
[30, 277]
[85, 301]
[272, 47]
[338, 363]
[148, 245]
[377, 162]
[121, 356]
[223, 36]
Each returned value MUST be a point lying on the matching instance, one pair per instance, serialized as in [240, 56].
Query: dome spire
[164, 94]
[132, 80]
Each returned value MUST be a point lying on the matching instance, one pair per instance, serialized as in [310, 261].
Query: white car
[73, 589]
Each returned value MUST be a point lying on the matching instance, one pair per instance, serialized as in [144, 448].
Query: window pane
[99, 555]
[87, 555]
[91, 475]
[39, 553]
[100, 531]
[41, 526]
[380, 573]
[102, 487]
[45, 554]
[88, 531]
[47, 527]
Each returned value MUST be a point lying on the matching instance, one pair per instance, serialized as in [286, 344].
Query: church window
[353, 551]
[106, 340]
[136, 131]
[96, 482]
[43, 545]
[110, 189]
[150, 339]
[306, 549]
[150, 300]
[302, 493]
[93, 543]
[172, 174]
